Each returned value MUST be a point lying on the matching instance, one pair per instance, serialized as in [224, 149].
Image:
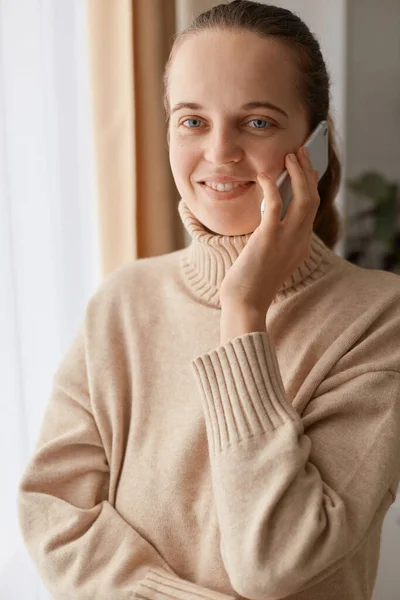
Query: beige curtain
[129, 42]
[128, 47]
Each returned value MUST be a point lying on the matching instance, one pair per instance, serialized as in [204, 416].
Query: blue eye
[268, 124]
[191, 120]
[259, 121]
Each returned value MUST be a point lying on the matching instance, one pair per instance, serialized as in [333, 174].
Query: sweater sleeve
[294, 496]
[81, 546]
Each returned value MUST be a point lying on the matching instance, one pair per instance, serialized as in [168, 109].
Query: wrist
[239, 320]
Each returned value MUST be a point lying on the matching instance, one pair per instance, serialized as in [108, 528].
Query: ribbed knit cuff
[159, 585]
[242, 391]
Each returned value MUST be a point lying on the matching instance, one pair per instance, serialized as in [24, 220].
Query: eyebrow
[248, 106]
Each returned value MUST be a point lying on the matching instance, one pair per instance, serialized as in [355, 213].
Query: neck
[207, 259]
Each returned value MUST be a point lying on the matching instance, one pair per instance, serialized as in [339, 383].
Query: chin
[229, 231]
[240, 224]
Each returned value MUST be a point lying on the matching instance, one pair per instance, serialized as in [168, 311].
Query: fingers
[299, 206]
[273, 200]
[311, 176]
[307, 167]
[305, 201]
[305, 198]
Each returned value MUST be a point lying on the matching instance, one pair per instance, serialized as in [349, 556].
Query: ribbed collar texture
[207, 259]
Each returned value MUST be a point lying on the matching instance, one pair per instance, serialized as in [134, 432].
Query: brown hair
[272, 21]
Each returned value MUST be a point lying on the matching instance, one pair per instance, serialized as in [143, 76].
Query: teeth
[224, 187]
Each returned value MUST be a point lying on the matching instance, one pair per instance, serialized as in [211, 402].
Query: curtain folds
[129, 42]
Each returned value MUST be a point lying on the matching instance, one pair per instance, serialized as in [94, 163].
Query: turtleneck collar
[207, 259]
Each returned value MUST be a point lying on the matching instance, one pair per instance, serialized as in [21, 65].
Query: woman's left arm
[295, 496]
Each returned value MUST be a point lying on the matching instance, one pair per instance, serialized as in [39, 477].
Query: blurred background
[85, 186]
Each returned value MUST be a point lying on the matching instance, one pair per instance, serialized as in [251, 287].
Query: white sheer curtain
[49, 251]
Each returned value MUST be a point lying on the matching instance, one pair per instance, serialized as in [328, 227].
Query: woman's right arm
[82, 547]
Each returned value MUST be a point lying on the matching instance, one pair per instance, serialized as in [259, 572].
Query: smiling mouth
[227, 194]
[220, 187]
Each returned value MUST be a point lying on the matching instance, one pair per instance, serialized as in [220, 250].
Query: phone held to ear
[317, 144]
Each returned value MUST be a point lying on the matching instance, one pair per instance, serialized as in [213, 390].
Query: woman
[226, 423]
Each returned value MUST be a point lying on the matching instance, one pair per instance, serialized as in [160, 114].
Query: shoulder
[136, 279]
[361, 286]
[362, 310]
[127, 300]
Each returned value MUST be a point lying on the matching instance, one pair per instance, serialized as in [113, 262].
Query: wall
[373, 91]
[373, 100]
[373, 142]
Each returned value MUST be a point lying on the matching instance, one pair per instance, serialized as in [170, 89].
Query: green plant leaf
[393, 193]
[386, 221]
[372, 185]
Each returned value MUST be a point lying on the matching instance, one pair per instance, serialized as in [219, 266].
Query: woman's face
[221, 72]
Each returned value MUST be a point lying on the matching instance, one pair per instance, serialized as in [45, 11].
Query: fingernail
[292, 157]
[305, 152]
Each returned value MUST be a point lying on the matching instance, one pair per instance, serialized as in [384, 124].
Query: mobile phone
[317, 144]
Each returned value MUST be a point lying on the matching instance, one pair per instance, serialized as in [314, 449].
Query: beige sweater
[169, 466]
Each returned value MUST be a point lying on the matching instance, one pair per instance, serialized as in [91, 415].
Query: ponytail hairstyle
[272, 21]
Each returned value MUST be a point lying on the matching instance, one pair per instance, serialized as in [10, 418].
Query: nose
[222, 146]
